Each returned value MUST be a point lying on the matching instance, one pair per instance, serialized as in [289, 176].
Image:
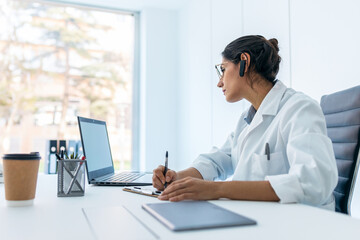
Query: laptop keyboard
[123, 177]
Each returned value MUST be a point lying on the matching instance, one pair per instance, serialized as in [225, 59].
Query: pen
[57, 156]
[166, 168]
[267, 151]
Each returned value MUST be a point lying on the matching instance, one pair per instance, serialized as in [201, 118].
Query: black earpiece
[242, 67]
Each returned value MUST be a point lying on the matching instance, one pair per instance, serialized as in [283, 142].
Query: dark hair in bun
[275, 43]
[264, 54]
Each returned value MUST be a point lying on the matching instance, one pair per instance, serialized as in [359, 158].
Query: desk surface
[62, 218]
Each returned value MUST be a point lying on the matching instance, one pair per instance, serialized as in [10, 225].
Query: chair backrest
[354, 196]
[342, 114]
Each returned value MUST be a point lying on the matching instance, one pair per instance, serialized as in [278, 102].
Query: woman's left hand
[191, 188]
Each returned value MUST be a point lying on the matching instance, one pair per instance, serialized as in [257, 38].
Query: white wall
[325, 45]
[271, 21]
[194, 118]
[226, 26]
[159, 42]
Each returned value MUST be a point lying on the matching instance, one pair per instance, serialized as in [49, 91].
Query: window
[58, 62]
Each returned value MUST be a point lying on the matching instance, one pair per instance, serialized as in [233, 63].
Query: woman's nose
[220, 84]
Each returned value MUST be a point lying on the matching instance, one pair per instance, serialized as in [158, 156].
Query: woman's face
[232, 85]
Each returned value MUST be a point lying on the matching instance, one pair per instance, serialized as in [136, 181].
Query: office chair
[342, 115]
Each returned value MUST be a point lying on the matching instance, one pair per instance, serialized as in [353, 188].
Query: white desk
[62, 218]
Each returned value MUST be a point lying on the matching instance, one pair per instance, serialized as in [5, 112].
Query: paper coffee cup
[20, 177]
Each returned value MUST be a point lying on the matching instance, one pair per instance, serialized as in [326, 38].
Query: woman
[279, 150]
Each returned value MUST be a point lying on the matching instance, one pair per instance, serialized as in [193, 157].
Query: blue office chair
[342, 114]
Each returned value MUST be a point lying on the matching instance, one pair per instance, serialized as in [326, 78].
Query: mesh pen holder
[71, 177]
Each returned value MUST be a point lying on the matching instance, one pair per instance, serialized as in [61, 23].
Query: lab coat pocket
[262, 167]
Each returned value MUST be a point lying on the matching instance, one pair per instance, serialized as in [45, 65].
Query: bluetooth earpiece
[242, 67]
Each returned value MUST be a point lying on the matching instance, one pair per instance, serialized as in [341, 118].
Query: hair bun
[275, 43]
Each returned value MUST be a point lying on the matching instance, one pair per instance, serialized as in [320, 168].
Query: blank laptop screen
[96, 145]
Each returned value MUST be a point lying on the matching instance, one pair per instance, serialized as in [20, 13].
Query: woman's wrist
[190, 172]
[218, 190]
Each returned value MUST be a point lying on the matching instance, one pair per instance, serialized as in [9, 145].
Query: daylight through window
[57, 63]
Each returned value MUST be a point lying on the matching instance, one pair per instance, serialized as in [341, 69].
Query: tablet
[191, 215]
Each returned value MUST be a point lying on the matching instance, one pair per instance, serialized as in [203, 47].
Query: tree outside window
[60, 62]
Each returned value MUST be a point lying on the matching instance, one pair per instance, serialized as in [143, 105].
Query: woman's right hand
[159, 179]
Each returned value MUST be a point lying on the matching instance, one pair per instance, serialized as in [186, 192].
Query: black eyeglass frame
[219, 71]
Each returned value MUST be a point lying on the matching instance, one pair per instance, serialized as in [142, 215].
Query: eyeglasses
[220, 70]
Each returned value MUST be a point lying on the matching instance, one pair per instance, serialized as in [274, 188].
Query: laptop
[99, 163]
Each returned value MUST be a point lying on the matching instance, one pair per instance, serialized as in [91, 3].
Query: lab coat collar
[271, 102]
[269, 106]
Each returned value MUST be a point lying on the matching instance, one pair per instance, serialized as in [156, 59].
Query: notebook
[103, 220]
[191, 215]
[99, 163]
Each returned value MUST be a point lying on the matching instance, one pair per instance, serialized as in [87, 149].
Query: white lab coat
[302, 166]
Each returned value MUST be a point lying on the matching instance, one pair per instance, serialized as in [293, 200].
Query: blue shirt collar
[250, 115]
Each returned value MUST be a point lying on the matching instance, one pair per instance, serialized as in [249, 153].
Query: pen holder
[71, 177]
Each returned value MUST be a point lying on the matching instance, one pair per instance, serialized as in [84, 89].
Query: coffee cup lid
[22, 156]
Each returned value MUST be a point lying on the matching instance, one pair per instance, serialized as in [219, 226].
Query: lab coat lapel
[269, 106]
[257, 120]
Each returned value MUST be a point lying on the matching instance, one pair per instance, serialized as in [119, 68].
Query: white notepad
[103, 220]
[191, 215]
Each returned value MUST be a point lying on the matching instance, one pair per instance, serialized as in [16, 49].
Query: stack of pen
[71, 175]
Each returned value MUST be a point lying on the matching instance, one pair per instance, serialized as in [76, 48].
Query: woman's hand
[159, 179]
[191, 188]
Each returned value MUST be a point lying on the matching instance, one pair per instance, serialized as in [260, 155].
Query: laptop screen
[95, 142]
